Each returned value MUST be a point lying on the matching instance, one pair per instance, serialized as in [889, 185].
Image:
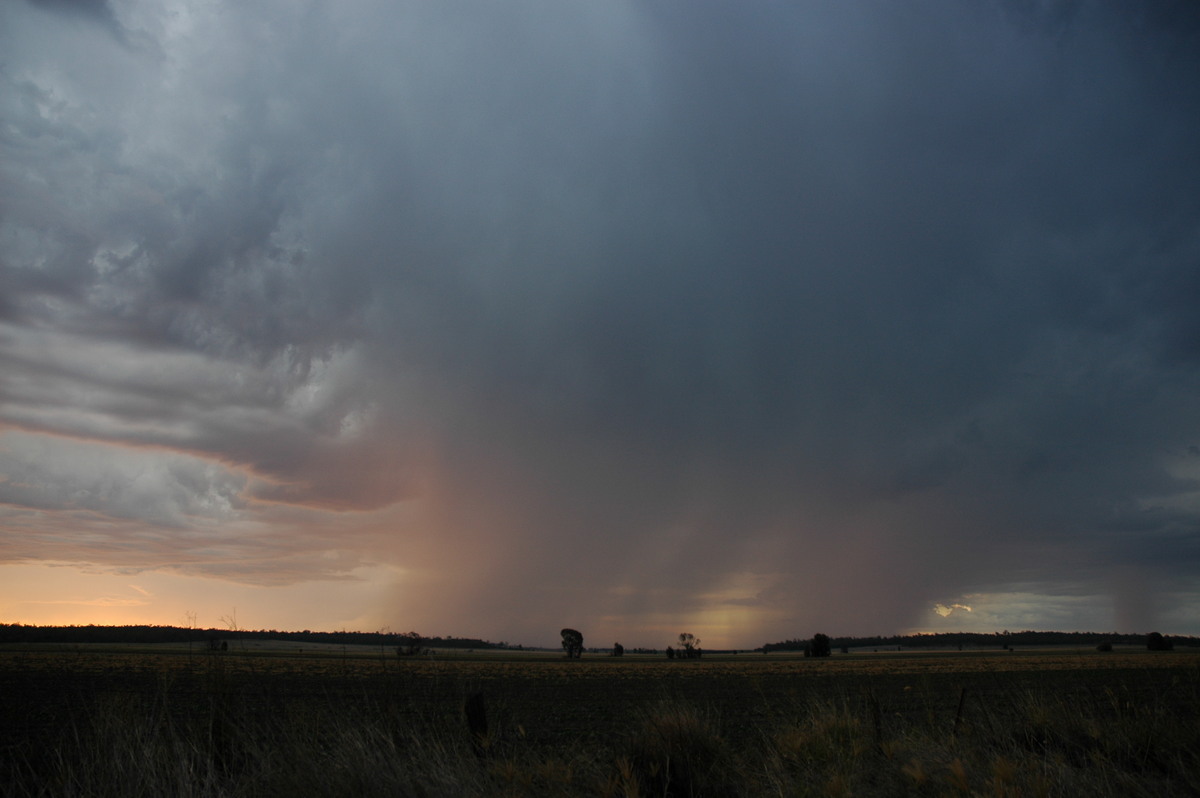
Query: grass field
[332, 720]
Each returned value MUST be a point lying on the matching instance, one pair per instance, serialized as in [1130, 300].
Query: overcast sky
[749, 319]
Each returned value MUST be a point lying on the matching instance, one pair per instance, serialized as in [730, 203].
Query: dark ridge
[1000, 640]
[20, 633]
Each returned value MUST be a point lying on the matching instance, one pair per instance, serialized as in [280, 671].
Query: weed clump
[677, 752]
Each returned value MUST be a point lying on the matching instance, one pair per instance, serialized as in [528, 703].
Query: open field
[273, 720]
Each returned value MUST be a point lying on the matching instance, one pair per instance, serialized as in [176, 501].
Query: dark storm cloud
[893, 253]
[659, 311]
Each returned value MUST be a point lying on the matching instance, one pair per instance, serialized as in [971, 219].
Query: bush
[1156, 642]
[676, 751]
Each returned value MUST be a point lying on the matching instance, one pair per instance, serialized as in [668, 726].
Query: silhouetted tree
[819, 646]
[1156, 642]
[572, 643]
[410, 645]
[689, 646]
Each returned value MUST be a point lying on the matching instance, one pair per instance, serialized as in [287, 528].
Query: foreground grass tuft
[677, 751]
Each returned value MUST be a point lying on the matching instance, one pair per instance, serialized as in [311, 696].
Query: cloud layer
[629, 318]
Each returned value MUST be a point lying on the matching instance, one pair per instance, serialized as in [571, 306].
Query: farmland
[259, 720]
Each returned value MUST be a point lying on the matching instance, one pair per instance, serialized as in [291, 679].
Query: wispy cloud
[103, 601]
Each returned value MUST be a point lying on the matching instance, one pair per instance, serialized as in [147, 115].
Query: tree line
[687, 646]
[20, 633]
[1003, 639]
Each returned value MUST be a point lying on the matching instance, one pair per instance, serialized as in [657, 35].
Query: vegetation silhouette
[411, 645]
[572, 643]
[475, 711]
[819, 646]
[981, 640]
[689, 646]
[1157, 642]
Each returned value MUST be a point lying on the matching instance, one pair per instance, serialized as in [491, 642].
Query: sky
[749, 320]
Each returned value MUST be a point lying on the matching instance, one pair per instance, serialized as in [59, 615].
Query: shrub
[676, 751]
[1156, 642]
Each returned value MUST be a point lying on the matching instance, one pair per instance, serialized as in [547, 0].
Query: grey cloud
[678, 292]
[98, 11]
[77, 478]
[931, 252]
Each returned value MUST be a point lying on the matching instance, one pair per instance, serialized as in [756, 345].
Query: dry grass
[141, 724]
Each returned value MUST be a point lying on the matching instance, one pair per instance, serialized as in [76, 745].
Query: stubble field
[114, 721]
